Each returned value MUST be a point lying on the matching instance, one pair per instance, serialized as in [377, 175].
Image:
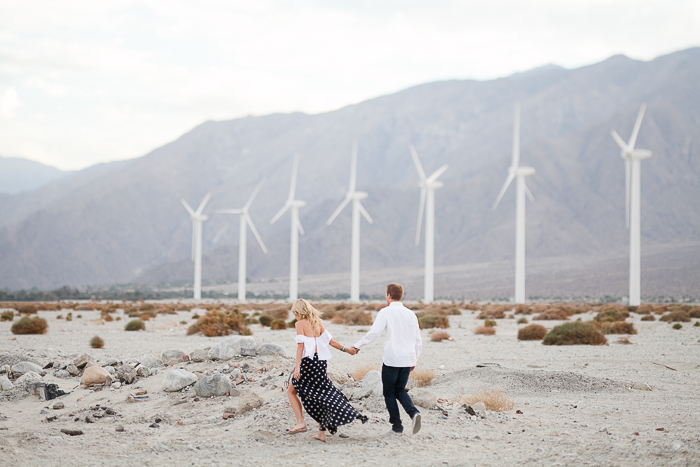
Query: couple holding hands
[321, 399]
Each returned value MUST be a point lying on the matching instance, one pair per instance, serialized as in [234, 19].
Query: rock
[95, 375]
[117, 385]
[150, 361]
[130, 361]
[233, 347]
[110, 370]
[81, 362]
[58, 406]
[120, 428]
[424, 398]
[71, 432]
[361, 394]
[479, 407]
[200, 355]
[5, 384]
[271, 349]
[154, 425]
[373, 382]
[410, 384]
[89, 364]
[73, 370]
[62, 374]
[28, 377]
[23, 367]
[173, 356]
[143, 371]
[603, 429]
[176, 380]
[234, 392]
[111, 362]
[676, 445]
[337, 376]
[214, 385]
[126, 368]
[248, 401]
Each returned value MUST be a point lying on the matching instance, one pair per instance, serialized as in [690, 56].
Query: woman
[321, 399]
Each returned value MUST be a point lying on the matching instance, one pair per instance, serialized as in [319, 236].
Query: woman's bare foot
[321, 436]
[298, 428]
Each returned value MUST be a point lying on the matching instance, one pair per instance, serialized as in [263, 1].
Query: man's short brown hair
[395, 291]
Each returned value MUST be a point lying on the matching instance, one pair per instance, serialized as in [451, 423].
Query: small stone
[72, 370]
[28, 377]
[603, 429]
[117, 385]
[5, 384]
[479, 407]
[154, 425]
[270, 349]
[172, 356]
[89, 419]
[248, 401]
[81, 362]
[178, 379]
[143, 371]
[158, 420]
[95, 375]
[43, 412]
[235, 346]
[111, 362]
[71, 432]
[150, 361]
[676, 445]
[110, 370]
[120, 428]
[200, 355]
[58, 406]
[63, 374]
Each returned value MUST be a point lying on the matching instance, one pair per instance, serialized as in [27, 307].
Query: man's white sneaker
[416, 423]
[392, 433]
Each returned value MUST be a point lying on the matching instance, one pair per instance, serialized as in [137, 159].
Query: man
[401, 350]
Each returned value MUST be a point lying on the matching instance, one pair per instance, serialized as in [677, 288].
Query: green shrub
[618, 327]
[612, 314]
[522, 320]
[648, 318]
[292, 324]
[677, 326]
[676, 315]
[278, 324]
[532, 332]
[97, 342]
[135, 325]
[489, 323]
[7, 316]
[575, 333]
[28, 325]
[697, 323]
[265, 320]
[428, 320]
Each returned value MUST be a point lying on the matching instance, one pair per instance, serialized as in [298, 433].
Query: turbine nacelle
[523, 172]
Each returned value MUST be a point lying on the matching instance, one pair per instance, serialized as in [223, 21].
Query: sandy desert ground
[581, 405]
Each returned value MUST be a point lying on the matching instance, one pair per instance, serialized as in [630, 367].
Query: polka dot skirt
[323, 401]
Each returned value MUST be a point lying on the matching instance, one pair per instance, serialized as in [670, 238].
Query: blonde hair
[305, 310]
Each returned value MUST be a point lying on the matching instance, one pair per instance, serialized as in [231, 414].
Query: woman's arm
[297, 366]
[336, 345]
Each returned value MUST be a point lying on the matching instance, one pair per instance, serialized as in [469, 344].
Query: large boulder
[423, 398]
[150, 361]
[200, 355]
[271, 349]
[28, 377]
[63, 374]
[173, 356]
[248, 401]
[337, 376]
[5, 384]
[235, 346]
[214, 385]
[95, 375]
[176, 380]
[24, 367]
[373, 382]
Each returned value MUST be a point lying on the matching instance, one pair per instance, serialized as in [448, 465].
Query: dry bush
[471, 306]
[494, 311]
[618, 327]
[532, 332]
[145, 317]
[659, 309]
[522, 320]
[648, 318]
[328, 313]
[342, 306]
[7, 316]
[575, 333]
[59, 316]
[694, 312]
[523, 309]
[219, 323]
[88, 307]
[493, 399]
[623, 340]
[612, 314]
[440, 336]
[278, 324]
[49, 307]
[358, 373]
[135, 325]
[644, 310]
[422, 377]
[28, 325]
[108, 318]
[69, 316]
[337, 320]
[97, 342]
[374, 306]
[675, 316]
[27, 309]
[489, 323]
[357, 318]
[278, 313]
[265, 320]
[429, 320]
[452, 310]
[552, 314]
[486, 330]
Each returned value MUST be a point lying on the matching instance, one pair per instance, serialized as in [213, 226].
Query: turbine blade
[279, 213]
[365, 213]
[255, 231]
[353, 168]
[301, 229]
[193, 239]
[416, 161]
[637, 124]
[189, 209]
[338, 209]
[421, 207]
[516, 138]
[293, 186]
[255, 193]
[627, 192]
[227, 211]
[437, 173]
[510, 178]
[529, 193]
[620, 142]
[204, 203]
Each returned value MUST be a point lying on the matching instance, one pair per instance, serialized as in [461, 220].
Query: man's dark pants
[394, 381]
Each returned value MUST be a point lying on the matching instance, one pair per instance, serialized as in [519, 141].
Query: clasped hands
[352, 350]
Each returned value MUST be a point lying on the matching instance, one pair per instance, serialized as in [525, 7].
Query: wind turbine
[197, 219]
[427, 193]
[521, 189]
[293, 205]
[245, 221]
[356, 197]
[632, 158]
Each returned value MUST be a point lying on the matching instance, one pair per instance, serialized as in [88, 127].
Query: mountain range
[123, 222]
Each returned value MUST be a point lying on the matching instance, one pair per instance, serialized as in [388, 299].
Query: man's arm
[374, 332]
[419, 342]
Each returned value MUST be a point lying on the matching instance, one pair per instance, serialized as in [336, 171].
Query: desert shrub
[108, 318]
[278, 313]
[195, 316]
[486, 330]
[612, 314]
[337, 320]
[522, 320]
[357, 318]
[69, 316]
[494, 400]
[532, 332]
[145, 317]
[552, 314]
[292, 323]
[694, 312]
[428, 320]
[618, 327]
[624, 341]
[79, 316]
[183, 322]
[118, 318]
[676, 315]
[439, 336]
[219, 323]
[28, 325]
[358, 373]
[471, 306]
[84, 308]
[697, 323]
[97, 342]
[494, 311]
[7, 316]
[648, 318]
[59, 316]
[677, 326]
[643, 310]
[422, 377]
[489, 323]
[27, 309]
[523, 309]
[135, 325]
[278, 324]
[575, 333]
[452, 311]
[265, 320]
[328, 313]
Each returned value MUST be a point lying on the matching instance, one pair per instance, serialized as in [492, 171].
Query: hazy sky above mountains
[83, 82]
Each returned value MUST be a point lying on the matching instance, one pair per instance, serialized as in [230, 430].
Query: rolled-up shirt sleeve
[374, 332]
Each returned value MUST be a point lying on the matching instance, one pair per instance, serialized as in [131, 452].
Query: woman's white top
[316, 345]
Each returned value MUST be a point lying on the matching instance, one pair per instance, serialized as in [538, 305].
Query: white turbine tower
[197, 219]
[427, 196]
[632, 158]
[293, 205]
[245, 221]
[356, 197]
[521, 189]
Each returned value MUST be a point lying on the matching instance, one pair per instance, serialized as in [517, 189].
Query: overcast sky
[83, 82]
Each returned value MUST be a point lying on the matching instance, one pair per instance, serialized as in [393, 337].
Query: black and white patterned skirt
[321, 399]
